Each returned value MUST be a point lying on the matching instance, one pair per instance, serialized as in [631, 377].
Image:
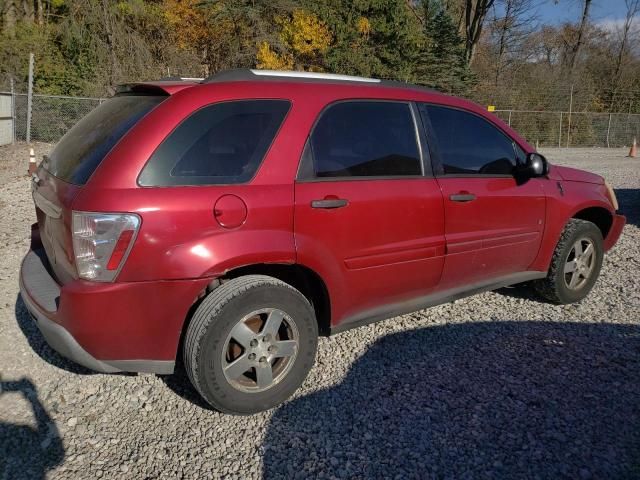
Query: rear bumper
[63, 342]
[614, 232]
[108, 327]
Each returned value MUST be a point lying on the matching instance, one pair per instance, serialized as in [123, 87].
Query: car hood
[576, 175]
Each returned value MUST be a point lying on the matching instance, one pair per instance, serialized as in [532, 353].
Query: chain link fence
[52, 116]
[573, 129]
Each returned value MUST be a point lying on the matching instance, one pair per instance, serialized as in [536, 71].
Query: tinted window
[356, 139]
[219, 144]
[82, 148]
[468, 144]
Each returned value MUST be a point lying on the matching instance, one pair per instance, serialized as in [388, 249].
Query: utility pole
[30, 98]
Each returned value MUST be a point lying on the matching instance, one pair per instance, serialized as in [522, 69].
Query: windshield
[80, 151]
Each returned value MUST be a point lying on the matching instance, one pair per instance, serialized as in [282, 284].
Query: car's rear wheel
[575, 265]
[250, 344]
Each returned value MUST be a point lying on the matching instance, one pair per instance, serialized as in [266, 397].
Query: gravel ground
[496, 385]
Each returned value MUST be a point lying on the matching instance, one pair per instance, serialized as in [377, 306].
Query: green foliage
[395, 40]
[371, 37]
[85, 46]
[442, 62]
[55, 74]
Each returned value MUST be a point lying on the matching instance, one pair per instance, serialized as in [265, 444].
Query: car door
[367, 217]
[493, 223]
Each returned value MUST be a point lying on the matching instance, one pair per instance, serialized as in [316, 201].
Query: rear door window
[363, 139]
[81, 149]
[470, 145]
[223, 143]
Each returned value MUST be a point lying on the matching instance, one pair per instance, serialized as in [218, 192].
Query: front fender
[564, 201]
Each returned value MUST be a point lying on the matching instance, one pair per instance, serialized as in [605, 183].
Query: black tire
[207, 342]
[554, 287]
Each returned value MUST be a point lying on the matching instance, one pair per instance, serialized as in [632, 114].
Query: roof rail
[246, 74]
[181, 79]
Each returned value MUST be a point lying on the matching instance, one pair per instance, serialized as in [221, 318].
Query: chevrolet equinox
[232, 220]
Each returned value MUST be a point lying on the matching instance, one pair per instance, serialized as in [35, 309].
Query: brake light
[121, 248]
[101, 243]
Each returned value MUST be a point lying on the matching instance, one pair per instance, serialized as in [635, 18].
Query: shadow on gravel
[40, 346]
[485, 400]
[629, 200]
[523, 291]
[180, 384]
[27, 452]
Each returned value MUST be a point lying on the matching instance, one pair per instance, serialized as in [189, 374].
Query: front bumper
[614, 232]
[108, 327]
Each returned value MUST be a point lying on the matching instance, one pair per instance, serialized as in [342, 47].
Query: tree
[238, 27]
[484, 49]
[379, 38]
[304, 40]
[268, 59]
[575, 51]
[633, 7]
[226, 33]
[510, 29]
[442, 63]
[475, 13]
[14, 11]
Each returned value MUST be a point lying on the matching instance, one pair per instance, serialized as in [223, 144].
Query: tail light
[101, 243]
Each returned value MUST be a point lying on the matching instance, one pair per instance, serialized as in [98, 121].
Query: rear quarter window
[222, 143]
[82, 149]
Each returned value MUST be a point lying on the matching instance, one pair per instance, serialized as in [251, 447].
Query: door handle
[329, 203]
[462, 197]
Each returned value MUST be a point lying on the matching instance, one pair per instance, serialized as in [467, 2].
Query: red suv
[237, 218]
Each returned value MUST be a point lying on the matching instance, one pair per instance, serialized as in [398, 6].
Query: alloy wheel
[260, 350]
[579, 264]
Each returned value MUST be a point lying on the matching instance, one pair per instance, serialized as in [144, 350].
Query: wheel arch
[559, 214]
[300, 277]
[599, 216]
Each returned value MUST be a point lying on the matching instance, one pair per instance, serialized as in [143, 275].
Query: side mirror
[535, 165]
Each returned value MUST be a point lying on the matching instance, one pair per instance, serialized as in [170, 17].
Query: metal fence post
[510, 117]
[560, 132]
[13, 113]
[608, 130]
[570, 109]
[30, 98]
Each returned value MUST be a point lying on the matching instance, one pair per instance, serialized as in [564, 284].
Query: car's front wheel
[575, 265]
[250, 344]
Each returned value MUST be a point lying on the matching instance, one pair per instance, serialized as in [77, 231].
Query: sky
[602, 11]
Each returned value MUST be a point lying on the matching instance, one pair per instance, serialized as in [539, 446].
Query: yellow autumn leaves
[188, 22]
[305, 39]
[301, 40]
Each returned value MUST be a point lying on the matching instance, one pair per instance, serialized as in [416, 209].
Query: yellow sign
[491, 108]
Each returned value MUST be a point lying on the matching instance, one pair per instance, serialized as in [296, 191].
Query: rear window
[223, 143]
[81, 149]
